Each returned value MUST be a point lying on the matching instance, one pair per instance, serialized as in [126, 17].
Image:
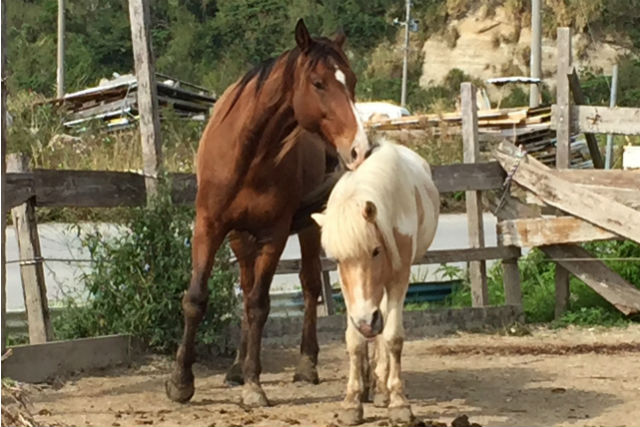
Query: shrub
[537, 278]
[138, 279]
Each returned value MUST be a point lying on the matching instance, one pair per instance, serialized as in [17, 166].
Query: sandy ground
[569, 377]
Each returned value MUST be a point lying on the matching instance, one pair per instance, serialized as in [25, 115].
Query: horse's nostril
[354, 154]
[376, 322]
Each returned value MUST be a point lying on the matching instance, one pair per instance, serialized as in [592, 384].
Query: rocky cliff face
[487, 44]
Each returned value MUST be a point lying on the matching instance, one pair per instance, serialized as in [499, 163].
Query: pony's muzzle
[371, 328]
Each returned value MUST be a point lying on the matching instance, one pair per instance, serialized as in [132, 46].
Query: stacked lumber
[114, 104]
[527, 127]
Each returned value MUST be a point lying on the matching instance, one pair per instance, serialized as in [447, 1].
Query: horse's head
[324, 93]
[365, 262]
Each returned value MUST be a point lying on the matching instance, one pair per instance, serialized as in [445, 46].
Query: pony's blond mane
[382, 180]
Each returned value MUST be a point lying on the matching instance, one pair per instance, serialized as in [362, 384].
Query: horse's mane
[322, 49]
[381, 179]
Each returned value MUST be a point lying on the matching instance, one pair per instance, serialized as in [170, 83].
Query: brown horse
[252, 163]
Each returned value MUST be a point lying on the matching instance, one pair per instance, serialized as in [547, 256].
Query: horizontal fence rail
[72, 188]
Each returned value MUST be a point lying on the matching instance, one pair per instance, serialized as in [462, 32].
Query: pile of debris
[114, 103]
[528, 127]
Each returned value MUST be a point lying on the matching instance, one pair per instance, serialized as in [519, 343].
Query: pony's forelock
[345, 232]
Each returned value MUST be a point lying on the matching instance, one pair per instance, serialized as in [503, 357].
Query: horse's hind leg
[244, 248]
[256, 306]
[311, 280]
[207, 238]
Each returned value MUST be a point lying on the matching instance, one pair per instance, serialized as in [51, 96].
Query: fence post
[3, 141]
[471, 153]
[612, 103]
[563, 135]
[35, 291]
[327, 291]
[140, 18]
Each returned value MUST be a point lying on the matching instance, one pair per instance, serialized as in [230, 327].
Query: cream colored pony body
[378, 220]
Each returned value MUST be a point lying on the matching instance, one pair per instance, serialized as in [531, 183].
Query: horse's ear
[369, 212]
[340, 37]
[318, 218]
[303, 39]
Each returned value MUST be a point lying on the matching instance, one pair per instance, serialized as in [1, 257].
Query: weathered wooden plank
[475, 226]
[549, 231]
[18, 188]
[41, 362]
[563, 116]
[31, 269]
[108, 189]
[88, 188]
[606, 178]
[140, 18]
[624, 296]
[616, 120]
[468, 177]
[627, 196]
[592, 142]
[292, 266]
[599, 210]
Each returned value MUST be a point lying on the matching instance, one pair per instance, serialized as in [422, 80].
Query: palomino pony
[251, 170]
[378, 220]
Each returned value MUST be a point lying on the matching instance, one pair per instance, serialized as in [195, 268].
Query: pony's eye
[318, 84]
[376, 252]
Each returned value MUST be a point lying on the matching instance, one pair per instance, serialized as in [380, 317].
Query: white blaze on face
[341, 77]
[360, 142]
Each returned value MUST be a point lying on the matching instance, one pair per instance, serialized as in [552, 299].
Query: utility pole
[612, 103]
[536, 51]
[405, 61]
[60, 71]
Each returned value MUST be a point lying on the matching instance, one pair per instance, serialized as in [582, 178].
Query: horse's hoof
[306, 371]
[400, 415]
[180, 393]
[253, 396]
[234, 376]
[351, 416]
[380, 400]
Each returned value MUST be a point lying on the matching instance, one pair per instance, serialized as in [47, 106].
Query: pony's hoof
[400, 415]
[253, 396]
[306, 371]
[234, 376]
[380, 400]
[351, 416]
[180, 393]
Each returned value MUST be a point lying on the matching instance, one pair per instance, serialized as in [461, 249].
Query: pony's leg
[311, 280]
[352, 413]
[393, 334]
[244, 248]
[381, 373]
[256, 306]
[207, 238]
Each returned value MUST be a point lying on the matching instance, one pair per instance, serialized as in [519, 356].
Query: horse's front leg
[244, 248]
[393, 334]
[256, 305]
[352, 412]
[207, 238]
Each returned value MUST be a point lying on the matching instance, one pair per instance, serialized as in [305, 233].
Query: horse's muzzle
[370, 330]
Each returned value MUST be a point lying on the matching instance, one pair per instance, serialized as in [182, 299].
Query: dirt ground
[569, 377]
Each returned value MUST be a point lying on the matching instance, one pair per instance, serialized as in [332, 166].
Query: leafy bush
[138, 279]
[537, 279]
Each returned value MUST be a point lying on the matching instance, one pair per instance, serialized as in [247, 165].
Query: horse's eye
[318, 84]
[376, 252]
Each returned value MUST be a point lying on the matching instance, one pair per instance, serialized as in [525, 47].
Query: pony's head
[359, 231]
[324, 94]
